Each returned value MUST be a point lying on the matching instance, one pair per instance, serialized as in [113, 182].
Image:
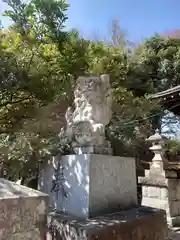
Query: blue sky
[139, 18]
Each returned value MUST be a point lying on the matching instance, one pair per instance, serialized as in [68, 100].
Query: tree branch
[14, 102]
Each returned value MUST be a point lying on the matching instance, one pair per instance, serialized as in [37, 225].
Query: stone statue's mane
[92, 111]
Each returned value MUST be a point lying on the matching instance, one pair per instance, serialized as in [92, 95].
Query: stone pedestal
[135, 224]
[93, 150]
[163, 193]
[91, 185]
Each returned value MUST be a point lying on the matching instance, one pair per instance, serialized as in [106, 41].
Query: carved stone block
[92, 112]
[93, 184]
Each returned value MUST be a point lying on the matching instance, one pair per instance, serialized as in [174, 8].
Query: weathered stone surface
[174, 189]
[135, 224]
[178, 191]
[156, 203]
[154, 192]
[105, 150]
[33, 235]
[163, 194]
[92, 101]
[153, 181]
[145, 191]
[22, 212]
[175, 208]
[172, 208]
[94, 184]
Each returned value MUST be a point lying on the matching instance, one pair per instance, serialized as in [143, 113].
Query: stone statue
[92, 103]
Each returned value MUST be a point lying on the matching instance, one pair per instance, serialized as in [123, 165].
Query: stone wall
[23, 212]
[162, 194]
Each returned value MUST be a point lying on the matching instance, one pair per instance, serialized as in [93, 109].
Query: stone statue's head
[92, 89]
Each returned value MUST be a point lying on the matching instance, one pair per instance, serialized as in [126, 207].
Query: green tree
[154, 65]
[45, 61]
[42, 18]
[29, 80]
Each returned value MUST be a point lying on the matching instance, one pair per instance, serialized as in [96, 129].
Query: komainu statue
[92, 112]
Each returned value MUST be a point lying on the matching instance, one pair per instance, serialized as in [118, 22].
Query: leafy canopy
[39, 64]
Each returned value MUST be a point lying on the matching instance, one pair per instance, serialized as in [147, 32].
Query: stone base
[92, 150]
[162, 193]
[135, 224]
[94, 184]
[172, 221]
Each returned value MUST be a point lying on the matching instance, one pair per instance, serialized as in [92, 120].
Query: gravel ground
[174, 235]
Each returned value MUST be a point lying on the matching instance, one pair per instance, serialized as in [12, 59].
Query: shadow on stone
[135, 224]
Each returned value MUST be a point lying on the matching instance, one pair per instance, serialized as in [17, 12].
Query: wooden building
[169, 99]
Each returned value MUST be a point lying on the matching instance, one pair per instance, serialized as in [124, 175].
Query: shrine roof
[168, 92]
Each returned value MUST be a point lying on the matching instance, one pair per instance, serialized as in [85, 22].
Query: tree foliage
[155, 65]
[39, 64]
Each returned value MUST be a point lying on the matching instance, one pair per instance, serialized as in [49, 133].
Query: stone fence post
[161, 183]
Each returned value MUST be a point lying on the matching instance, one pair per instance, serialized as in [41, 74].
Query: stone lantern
[156, 167]
[161, 183]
